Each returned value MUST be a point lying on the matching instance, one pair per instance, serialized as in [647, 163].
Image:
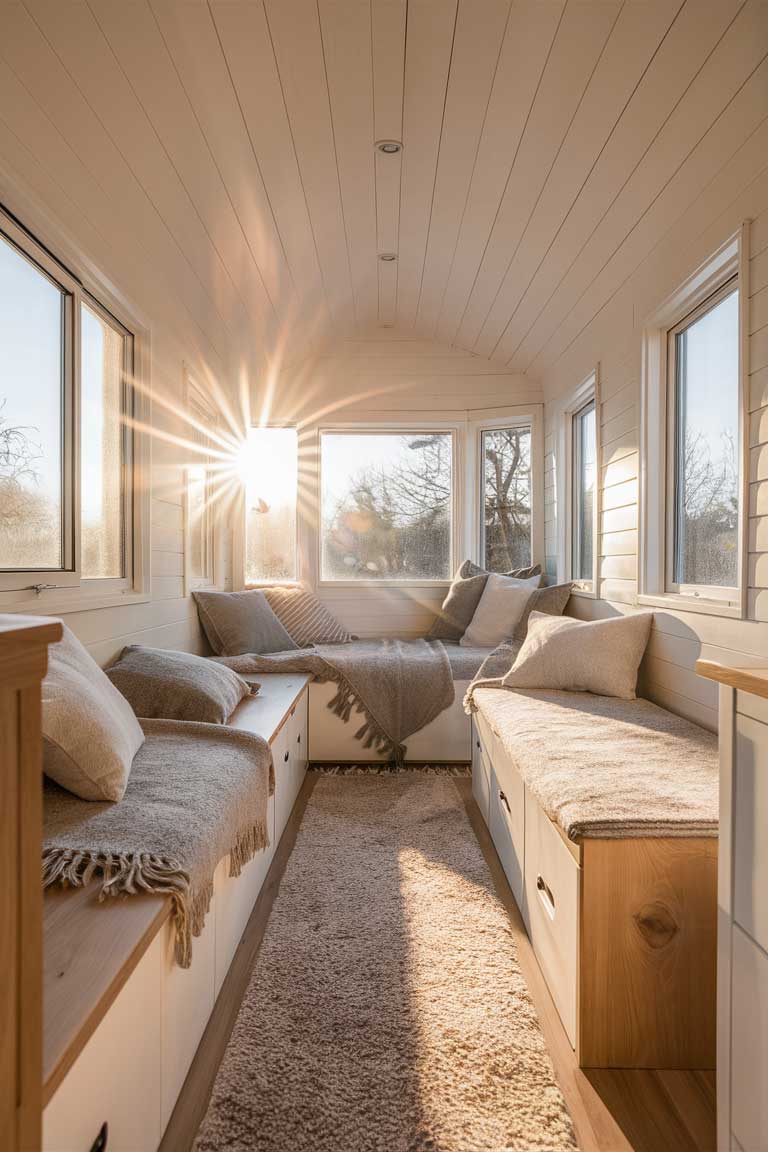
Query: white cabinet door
[188, 996]
[481, 777]
[507, 827]
[117, 1077]
[749, 1044]
[750, 829]
[552, 896]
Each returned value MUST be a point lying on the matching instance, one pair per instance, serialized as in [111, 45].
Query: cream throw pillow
[90, 731]
[600, 656]
[498, 610]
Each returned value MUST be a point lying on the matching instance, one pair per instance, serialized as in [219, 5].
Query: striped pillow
[304, 618]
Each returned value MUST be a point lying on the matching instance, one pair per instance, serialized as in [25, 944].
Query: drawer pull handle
[505, 802]
[545, 893]
[285, 757]
[478, 743]
[298, 738]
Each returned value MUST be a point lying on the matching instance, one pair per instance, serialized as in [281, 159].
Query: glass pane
[386, 505]
[31, 413]
[102, 356]
[707, 468]
[506, 464]
[270, 467]
[584, 492]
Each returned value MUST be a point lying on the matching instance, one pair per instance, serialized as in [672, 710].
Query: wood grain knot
[656, 924]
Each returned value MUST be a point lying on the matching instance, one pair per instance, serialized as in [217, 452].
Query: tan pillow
[238, 622]
[501, 605]
[90, 731]
[305, 618]
[600, 656]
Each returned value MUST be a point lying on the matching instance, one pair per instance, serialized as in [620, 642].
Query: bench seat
[604, 815]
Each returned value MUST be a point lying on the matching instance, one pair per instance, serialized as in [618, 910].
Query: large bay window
[66, 435]
[387, 505]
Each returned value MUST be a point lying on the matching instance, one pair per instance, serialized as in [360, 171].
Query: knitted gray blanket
[398, 685]
[196, 793]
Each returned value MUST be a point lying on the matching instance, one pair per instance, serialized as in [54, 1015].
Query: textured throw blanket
[605, 767]
[398, 685]
[196, 793]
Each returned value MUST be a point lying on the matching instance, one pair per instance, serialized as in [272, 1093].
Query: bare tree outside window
[387, 505]
[506, 510]
[706, 470]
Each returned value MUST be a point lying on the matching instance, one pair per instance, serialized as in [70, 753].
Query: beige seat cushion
[600, 656]
[90, 731]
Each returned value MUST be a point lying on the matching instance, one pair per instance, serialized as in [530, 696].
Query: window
[66, 441]
[692, 521]
[199, 526]
[105, 445]
[269, 467]
[703, 463]
[386, 505]
[583, 463]
[505, 461]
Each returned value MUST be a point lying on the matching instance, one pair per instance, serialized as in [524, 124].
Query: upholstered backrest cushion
[164, 685]
[501, 605]
[90, 731]
[600, 656]
[463, 597]
[237, 622]
[304, 617]
[551, 601]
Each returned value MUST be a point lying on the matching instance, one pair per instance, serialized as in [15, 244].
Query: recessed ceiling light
[389, 147]
[387, 256]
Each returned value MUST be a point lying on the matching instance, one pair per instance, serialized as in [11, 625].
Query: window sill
[586, 593]
[700, 605]
[401, 585]
[59, 605]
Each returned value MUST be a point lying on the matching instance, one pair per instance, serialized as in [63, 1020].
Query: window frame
[582, 583]
[726, 269]
[729, 595]
[66, 589]
[479, 428]
[202, 411]
[395, 428]
[585, 393]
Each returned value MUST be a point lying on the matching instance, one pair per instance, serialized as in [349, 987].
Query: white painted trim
[200, 406]
[731, 259]
[564, 411]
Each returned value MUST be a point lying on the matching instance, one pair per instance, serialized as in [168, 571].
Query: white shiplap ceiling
[546, 145]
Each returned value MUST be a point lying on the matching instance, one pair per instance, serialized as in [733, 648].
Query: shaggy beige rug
[386, 1011]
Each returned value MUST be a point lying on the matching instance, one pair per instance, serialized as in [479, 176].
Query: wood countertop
[754, 680]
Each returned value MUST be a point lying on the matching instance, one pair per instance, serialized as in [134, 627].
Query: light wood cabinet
[23, 662]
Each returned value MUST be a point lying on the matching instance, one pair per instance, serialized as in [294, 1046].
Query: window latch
[38, 588]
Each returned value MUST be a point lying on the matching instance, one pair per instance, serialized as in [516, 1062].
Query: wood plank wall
[613, 339]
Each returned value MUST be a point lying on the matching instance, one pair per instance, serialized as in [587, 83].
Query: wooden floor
[612, 1110]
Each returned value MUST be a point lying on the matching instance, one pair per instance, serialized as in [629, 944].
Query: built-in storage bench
[122, 1021]
[742, 1055]
[624, 929]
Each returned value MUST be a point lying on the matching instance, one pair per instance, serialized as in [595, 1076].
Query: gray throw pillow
[238, 622]
[463, 598]
[551, 601]
[90, 732]
[161, 685]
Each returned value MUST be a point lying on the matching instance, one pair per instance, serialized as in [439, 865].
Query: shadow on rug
[386, 1011]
